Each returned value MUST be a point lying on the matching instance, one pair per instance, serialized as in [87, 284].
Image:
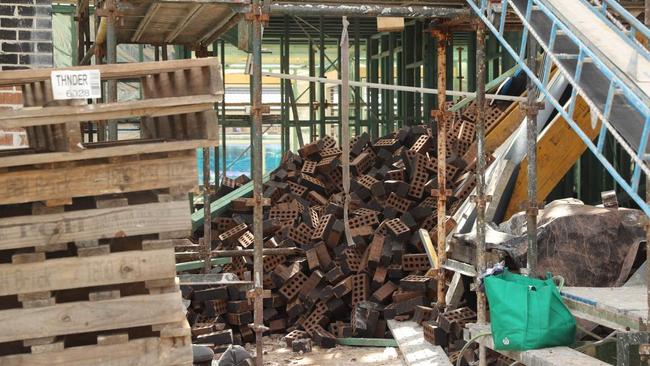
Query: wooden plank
[415, 349]
[38, 230]
[558, 148]
[103, 152]
[99, 179]
[36, 116]
[144, 23]
[553, 356]
[187, 266]
[367, 342]
[620, 308]
[90, 316]
[110, 72]
[78, 272]
[143, 351]
[194, 11]
[510, 120]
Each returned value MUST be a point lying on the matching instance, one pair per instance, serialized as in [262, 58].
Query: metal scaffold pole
[481, 198]
[441, 116]
[111, 58]
[531, 107]
[257, 16]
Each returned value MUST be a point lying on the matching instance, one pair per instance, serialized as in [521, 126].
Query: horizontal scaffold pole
[412, 89]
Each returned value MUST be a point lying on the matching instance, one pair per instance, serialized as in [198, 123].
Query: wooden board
[620, 308]
[98, 179]
[111, 72]
[554, 356]
[39, 230]
[90, 316]
[416, 350]
[510, 120]
[143, 351]
[558, 148]
[79, 272]
[119, 149]
[37, 116]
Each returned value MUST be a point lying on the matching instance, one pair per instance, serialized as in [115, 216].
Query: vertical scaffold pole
[442, 192]
[481, 198]
[531, 108]
[257, 16]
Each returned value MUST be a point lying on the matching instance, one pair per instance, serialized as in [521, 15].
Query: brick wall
[25, 42]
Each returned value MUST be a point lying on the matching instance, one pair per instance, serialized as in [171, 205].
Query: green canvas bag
[527, 313]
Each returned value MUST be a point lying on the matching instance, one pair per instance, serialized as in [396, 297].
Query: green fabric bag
[527, 313]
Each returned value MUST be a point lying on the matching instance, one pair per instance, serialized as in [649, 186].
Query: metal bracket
[253, 293]
[435, 192]
[265, 201]
[481, 202]
[436, 113]
[256, 14]
[536, 107]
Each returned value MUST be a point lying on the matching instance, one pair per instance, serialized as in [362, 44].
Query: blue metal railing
[616, 86]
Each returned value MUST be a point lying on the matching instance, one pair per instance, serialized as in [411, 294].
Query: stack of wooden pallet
[87, 230]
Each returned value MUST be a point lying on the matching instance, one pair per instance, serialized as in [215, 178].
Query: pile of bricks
[335, 289]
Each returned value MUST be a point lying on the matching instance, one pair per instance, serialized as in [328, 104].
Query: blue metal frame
[635, 25]
[616, 85]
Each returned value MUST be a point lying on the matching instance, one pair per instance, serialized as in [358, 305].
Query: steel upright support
[531, 138]
[481, 198]
[312, 92]
[111, 58]
[257, 16]
[321, 86]
[442, 192]
[357, 76]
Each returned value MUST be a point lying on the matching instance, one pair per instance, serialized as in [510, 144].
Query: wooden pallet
[177, 106]
[93, 282]
[61, 182]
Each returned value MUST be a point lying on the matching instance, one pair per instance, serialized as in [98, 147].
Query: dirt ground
[276, 353]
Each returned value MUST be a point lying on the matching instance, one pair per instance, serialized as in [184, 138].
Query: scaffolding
[402, 69]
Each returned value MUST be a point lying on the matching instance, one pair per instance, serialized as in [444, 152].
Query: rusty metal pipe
[531, 140]
[441, 115]
[251, 252]
[363, 10]
[481, 198]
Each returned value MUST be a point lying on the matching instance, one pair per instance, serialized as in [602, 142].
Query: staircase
[604, 60]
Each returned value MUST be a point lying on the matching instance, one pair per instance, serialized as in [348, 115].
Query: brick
[295, 335]
[415, 262]
[343, 288]
[424, 313]
[434, 334]
[16, 22]
[293, 286]
[415, 283]
[217, 338]
[240, 318]
[302, 345]
[217, 293]
[384, 293]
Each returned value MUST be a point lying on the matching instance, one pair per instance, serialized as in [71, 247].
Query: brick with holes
[384, 293]
[292, 287]
[434, 334]
[415, 262]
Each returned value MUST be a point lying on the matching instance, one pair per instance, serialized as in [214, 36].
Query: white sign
[76, 84]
